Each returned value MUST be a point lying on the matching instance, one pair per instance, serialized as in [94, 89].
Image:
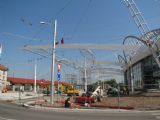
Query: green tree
[111, 82]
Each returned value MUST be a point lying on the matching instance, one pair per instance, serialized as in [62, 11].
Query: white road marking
[157, 117]
[156, 114]
[3, 118]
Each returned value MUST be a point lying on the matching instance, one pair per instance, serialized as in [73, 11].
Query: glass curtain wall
[137, 76]
[146, 74]
[150, 70]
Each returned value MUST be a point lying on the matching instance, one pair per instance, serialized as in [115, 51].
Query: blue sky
[81, 21]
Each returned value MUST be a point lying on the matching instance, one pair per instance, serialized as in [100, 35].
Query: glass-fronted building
[145, 74]
[141, 70]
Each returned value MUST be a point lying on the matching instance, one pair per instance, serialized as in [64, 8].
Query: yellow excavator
[71, 90]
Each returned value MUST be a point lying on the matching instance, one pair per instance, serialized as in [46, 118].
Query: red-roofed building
[3, 76]
[28, 84]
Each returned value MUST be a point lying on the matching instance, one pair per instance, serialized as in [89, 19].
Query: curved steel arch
[134, 38]
[131, 36]
[121, 59]
[150, 40]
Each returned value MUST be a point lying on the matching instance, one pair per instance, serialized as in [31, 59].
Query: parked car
[85, 98]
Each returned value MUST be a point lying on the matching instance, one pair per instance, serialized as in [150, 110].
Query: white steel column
[85, 75]
[35, 77]
[132, 83]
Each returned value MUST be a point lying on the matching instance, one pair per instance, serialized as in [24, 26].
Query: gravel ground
[140, 101]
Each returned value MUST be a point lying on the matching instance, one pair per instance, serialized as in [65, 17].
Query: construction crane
[146, 34]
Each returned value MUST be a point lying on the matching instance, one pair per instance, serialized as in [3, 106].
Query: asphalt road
[13, 112]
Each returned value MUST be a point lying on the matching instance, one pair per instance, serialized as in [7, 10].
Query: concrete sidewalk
[17, 95]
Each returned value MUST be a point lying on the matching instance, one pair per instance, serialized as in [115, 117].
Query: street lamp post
[53, 62]
[53, 59]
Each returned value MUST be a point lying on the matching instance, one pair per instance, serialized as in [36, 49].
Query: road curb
[87, 110]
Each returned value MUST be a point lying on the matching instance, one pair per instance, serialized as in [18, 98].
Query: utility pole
[53, 57]
[53, 62]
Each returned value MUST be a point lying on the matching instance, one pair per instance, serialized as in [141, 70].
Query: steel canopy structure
[43, 50]
[112, 47]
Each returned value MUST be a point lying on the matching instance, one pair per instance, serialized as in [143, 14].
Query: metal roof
[31, 81]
